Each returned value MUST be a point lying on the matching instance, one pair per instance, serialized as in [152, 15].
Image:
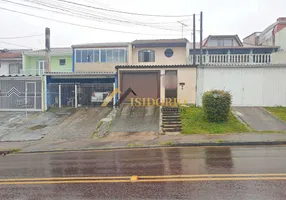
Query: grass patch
[219, 141]
[37, 127]
[14, 150]
[193, 122]
[279, 112]
[134, 145]
[96, 130]
[167, 143]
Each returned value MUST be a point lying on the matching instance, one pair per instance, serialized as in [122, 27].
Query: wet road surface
[200, 161]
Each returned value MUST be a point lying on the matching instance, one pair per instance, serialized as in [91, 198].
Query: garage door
[144, 84]
[249, 86]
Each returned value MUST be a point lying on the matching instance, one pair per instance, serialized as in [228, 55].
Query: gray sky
[220, 17]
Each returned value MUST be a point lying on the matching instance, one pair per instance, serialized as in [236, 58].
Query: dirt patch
[128, 136]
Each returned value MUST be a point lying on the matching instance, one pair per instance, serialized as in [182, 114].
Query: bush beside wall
[216, 105]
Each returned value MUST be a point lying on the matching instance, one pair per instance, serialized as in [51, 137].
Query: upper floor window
[146, 56]
[101, 55]
[62, 62]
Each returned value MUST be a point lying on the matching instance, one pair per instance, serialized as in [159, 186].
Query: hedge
[216, 105]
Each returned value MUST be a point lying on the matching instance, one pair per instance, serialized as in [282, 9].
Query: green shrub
[216, 105]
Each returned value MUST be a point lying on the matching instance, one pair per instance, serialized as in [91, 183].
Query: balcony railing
[233, 58]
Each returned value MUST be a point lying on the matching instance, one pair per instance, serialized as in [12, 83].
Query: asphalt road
[197, 173]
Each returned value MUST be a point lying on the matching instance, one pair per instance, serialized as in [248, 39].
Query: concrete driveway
[56, 125]
[259, 119]
[136, 119]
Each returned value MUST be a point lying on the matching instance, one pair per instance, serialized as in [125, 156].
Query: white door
[41, 67]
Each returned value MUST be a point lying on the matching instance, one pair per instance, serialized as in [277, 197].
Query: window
[228, 43]
[15, 68]
[101, 55]
[62, 62]
[84, 56]
[90, 56]
[96, 55]
[169, 53]
[146, 56]
[78, 56]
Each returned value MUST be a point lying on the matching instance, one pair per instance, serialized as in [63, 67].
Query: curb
[203, 144]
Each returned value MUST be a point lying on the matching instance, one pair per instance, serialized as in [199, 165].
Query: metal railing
[233, 58]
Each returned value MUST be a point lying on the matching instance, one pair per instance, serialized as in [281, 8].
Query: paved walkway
[146, 139]
[259, 119]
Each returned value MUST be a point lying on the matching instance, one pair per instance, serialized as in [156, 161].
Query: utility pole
[201, 39]
[183, 25]
[194, 39]
[47, 50]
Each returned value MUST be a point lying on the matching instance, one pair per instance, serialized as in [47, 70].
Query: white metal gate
[20, 93]
[249, 85]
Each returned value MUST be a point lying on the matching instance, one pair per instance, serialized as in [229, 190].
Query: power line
[90, 16]
[74, 24]
[15, 44]
[124, 12]
[18, 37]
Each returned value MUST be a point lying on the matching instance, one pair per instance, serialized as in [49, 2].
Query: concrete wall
[4, 70]
[278, 57]
[184, 75]
[179, 57]
[280, 39]
[96, 67]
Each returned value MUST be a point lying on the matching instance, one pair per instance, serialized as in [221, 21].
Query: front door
[171, 84]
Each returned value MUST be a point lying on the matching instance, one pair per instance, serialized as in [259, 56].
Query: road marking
[147, 180]
[140, 179]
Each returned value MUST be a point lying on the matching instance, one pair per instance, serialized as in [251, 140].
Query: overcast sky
[240, 17]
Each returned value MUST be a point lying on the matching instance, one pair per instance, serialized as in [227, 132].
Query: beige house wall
[278, 57]
[178, 58]
[96, 67]
[185, 75]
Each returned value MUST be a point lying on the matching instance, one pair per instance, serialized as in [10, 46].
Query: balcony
[233, 59]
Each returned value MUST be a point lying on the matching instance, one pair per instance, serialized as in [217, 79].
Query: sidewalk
[124, 140]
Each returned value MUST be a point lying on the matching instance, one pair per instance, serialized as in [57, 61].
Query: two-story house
[60, 61]
[228, 49]
[159, 69]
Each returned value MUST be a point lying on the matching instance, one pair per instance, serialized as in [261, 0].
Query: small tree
[216, 105]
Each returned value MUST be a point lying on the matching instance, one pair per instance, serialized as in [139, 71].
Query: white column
[60, 95]
[162, 86]
[75, 96]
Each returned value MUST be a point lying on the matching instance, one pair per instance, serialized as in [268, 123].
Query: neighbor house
[11, 62]
[60, 61]
[229, 49]
[273, 35]
[159, 69]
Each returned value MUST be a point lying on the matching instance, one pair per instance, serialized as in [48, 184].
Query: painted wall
[30, 63]
[184, 75]
[4, 69]
[279, 57]
[253, 86]
[280, 39]
[179, 57]
[96, 67]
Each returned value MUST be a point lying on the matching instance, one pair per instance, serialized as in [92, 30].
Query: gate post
[75, 96]
[60, 95]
